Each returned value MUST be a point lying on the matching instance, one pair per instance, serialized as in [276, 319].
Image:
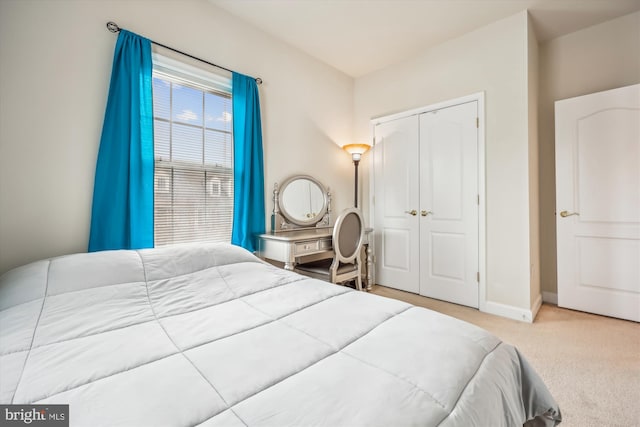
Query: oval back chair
[348, 235]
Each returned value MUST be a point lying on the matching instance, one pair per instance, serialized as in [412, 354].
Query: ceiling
[361, 36]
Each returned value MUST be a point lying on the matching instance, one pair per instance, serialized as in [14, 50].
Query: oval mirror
[302, 200]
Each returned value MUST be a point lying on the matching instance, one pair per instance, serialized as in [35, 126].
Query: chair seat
[322, 267]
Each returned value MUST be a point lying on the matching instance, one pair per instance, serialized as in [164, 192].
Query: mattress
[209, 335]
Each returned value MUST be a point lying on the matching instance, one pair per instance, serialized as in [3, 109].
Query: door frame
[482, 223]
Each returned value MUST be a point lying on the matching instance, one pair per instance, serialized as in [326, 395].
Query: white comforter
[209, 335]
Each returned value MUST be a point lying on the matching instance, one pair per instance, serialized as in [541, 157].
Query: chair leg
[358, 282]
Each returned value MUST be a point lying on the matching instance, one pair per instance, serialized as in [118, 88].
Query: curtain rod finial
[113, 27]
[258, 80]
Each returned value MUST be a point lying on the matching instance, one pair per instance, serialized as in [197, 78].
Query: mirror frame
[283, 220]
[291, 218]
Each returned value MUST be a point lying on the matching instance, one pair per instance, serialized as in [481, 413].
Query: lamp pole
[356, 160]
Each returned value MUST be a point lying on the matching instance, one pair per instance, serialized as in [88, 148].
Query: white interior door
[598, 202]
[449, 204]
[396, 225]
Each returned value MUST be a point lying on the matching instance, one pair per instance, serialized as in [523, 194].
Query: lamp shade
[356, 150]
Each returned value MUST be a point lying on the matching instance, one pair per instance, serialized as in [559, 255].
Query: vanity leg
[289, 266]
[369, 268]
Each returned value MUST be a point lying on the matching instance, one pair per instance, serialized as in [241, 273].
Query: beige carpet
[590, 363]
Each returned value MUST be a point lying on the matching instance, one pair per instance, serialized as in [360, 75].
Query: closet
[426, 201]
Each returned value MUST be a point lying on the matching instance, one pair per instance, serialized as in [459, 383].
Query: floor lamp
[356, 151]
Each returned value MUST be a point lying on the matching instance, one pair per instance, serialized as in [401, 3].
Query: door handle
[565, 214]
[425, 213]
[412, 212]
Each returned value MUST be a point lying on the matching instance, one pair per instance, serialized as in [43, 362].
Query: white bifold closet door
[598, 202]
[426, 203]
[396, 181]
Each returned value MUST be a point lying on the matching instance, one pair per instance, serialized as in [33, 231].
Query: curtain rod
[114, 28]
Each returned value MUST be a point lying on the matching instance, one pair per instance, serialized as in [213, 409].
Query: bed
[209, 335]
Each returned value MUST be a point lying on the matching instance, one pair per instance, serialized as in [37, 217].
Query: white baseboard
[550, 297]
[511, 312]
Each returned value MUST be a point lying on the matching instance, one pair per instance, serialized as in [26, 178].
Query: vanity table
[288, 246]
[301, 228]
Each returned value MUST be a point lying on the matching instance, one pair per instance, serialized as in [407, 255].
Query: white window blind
[193, 147]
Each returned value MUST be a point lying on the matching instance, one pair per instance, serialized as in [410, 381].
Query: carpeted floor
[590, 363]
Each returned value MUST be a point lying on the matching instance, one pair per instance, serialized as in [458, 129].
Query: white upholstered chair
[348, 235]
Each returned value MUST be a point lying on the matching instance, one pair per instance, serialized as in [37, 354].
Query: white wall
[55, 59]
[493, 59]
[602, 57]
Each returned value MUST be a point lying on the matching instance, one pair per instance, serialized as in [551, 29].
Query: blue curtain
[248, 169]
[122, 210]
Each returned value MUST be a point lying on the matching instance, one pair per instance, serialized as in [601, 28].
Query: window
[193, 182]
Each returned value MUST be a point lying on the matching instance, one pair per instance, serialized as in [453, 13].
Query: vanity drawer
[309, 247]
[326, 244]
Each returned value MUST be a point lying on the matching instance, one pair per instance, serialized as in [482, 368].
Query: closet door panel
[449, 204]
[444, 169]
[396, 195]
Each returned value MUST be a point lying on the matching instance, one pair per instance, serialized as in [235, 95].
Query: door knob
[565, 214]
[412, 212]
[425, 213]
